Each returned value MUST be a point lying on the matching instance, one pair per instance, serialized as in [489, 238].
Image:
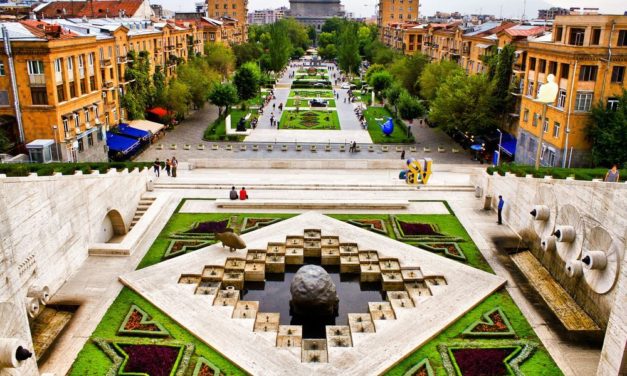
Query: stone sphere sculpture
[313, 292]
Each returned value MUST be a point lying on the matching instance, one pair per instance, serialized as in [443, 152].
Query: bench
[568, 312]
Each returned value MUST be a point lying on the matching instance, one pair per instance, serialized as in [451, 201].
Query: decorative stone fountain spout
[313, 292]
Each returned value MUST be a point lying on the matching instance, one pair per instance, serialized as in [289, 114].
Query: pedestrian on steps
[174, 164]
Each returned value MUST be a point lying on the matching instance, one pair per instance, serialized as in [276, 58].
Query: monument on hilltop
[315, 12]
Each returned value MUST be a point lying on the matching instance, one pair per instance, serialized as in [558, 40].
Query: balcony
[58, 78]
[108, 85]
[81, 73]
[69, 135]
[105, 63]
[122, 59]
[77, 130]
[37, 80]
[87, 125]
[179, 45]
[169, 47]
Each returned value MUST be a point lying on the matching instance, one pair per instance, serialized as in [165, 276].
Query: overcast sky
[505, 8]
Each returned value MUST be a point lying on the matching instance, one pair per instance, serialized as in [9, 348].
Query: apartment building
[234, 15]
[95, 9]
[397, 11]
[266, 16]
[588, 56]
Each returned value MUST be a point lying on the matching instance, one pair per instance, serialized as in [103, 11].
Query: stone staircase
[144, 204]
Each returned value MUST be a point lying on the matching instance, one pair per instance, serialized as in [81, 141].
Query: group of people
[243, 195]
[169, 166]
[353, 147]
[359, 112]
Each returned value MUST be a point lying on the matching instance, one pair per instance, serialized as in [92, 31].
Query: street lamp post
[498, 157]
[547, 95]
[55, 131]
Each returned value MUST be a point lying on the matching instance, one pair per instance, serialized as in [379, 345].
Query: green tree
[199, 78]
[280, 47]
[434, 75]
[220, 57]
[392, 94]
[178, 97]
[374, 68]
[409, 108]
[503, 79]
[247, 80]
[334, 24]
[407, 71]
[223, 95]
[5, 141]
[245, 52]
[139, 94]
[348, 48]
[607, 133]
[465, 102]
[380, 81]
[158, 79]
[328, 52]
[324, 39]
[297, 33]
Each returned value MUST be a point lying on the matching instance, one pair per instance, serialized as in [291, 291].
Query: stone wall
[47, 224]
[598, 204]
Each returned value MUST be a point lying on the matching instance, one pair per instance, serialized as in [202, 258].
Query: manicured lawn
[305, 103]
[319, 70]
[217, 130]
[311, 93]
[309, 120]
[376, 115]
[311, 77]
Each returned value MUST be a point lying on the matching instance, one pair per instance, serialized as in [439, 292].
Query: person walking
[500, 210]
[168, 166]
[613, 175]
[403, 154]
[156, 167]
[233, 193]
[242, 194]
[174, 164]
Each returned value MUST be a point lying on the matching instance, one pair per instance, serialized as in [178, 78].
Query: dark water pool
[274, 296]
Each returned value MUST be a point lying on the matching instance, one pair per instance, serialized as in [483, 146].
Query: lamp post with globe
[546, 96]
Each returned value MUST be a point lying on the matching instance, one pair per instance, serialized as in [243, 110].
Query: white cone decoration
[595, 260]
[565, 234]
[32, 307]
[9, 352]
[540, 212]
[574, 268]
[548, 244]
[42, 293]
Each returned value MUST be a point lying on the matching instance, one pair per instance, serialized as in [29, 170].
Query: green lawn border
[485, 319]
[333, 119]
[423, 363]
[146, 320]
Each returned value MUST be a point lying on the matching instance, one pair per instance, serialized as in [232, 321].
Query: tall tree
[607, 133]
[465, 102]
[502, 80]
[199, 79]
[408, 107]
[178, 97]
[407, 70]
[380, 81]
[392, 94]
[348, 48]
[220, 57]
[245, 52]
[247, 80]
[223, 95]
[434, 75]
[279, 46]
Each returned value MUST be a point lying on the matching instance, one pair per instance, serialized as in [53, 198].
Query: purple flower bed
[153, 360]
[482, 362]
[209, 227]
[417, 229]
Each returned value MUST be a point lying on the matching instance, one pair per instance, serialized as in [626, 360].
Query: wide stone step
[303, 187]
[312, 204]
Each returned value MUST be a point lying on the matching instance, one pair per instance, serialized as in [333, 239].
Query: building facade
[315, 12]
[266, 16]
[234, 15]
[588, 57]
[397, 11]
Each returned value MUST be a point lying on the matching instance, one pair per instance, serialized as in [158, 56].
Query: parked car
[346, 85]
[318, 103]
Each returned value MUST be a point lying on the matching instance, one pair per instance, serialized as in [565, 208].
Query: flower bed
[205, 368]
[451, 250]
[139, 323]
[376, 225]
[494, 324]
[182, 246]
[202, 230]
[251, 224]
[309, 120]
[154, 360]
[472, 359]
[422, 368]
[421, 232]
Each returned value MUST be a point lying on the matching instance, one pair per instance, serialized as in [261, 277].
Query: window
[532, 63]
[39, 95]
[90, 139]
[588, 73]
[535, 119]
[618, 74]
[77, 121]
[545, 128]
[622, 38]
[556, 130]
[2, 69]
[583, 102]
[35, 67]
[72, 90]
[561, 98]
[526, 115]
[61, 93]
[542, 65]
[596, 36]
[58, 63]
[81, 145]
[66, 125]
[70, 63]
[83, 83]
[90, 59]
[87, 117]
[92, 83]
[81, 62]
[612, 104]
[530, 88]
[558, 33]
[565, 70]
[553, 67]
[576, 36]
[4, 98]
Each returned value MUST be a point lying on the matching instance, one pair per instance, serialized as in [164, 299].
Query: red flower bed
[498, 326]
[422, 371]
[134, 323]
[153, 360]
[205, 370]
[375, 223]
[448, 246]
[482, 362]
[252, 222]
[417, 229]
[179, 244]
[209, 227]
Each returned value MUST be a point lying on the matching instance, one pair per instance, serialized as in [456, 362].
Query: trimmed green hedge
[49, 169]
[555, 172]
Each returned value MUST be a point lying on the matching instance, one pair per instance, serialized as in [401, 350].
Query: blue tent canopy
[121, 144]
[128, 131]
[508, 144]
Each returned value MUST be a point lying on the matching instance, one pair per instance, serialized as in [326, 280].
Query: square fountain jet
[459, 288]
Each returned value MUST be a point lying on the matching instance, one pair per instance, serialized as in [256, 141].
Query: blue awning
[128, 131]
[508, 144]
[121, 144]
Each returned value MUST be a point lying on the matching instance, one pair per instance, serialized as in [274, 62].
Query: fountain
[313, 292]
